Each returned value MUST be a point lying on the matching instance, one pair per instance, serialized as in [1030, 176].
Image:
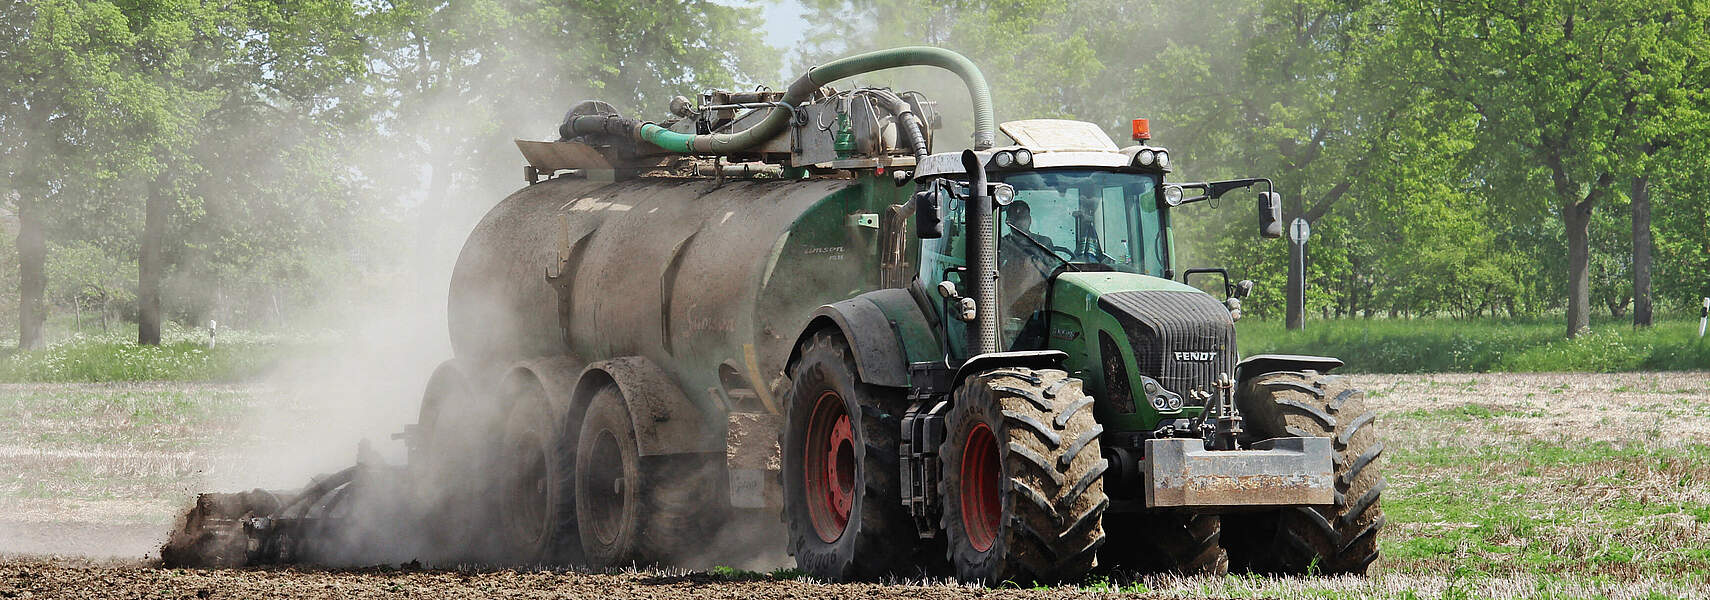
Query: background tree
[1566, 95]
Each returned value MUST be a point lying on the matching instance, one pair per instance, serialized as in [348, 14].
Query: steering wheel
[1067, 254]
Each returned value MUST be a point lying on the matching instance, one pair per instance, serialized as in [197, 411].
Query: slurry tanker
[983, 361]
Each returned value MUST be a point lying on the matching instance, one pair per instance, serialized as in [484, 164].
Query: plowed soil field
[1504, 486]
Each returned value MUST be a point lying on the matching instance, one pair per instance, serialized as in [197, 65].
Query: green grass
[724, 573]
[1441, 345]
[183, 355]
[1477, 521]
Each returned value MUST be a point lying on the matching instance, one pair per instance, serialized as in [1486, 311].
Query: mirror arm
[1217, 189]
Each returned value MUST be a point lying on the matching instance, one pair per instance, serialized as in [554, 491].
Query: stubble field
[1500, 485]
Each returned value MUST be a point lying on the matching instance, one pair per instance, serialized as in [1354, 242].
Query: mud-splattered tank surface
[701, 277]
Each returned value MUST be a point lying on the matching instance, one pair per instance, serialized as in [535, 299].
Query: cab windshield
[1084, 219]
[1082, 216]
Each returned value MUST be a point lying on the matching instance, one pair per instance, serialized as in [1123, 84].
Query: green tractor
[984, 362]
[1067, 401]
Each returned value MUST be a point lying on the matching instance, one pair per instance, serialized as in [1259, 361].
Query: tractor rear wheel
[1023, 478]
[1335, 539]
[842, 489]
[635, 509]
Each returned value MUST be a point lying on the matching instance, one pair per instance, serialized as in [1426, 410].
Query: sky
[784, 21]
[785, 26]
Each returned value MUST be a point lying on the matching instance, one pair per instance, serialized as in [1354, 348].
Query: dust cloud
[325, 413]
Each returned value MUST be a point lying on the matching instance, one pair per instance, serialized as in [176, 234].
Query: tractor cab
[1084, 264]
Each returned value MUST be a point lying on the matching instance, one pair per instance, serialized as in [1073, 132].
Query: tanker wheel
[454, 461]
[536, 514]
[842, 498]
[1333, 539]
[1179, 542]
[1022, 480]
[633, 509]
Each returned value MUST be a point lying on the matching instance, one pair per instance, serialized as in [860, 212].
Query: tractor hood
[1097, 283]
[1175, 334]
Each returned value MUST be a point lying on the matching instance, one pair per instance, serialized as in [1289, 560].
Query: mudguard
[1032, 359]
[665, 421]
[1260, 364]
[885, 328]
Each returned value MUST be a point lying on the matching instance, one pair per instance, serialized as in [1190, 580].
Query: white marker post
[213, 327]
[1298, 232]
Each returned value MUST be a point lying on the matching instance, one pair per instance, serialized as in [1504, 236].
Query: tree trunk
[32, 277]
[1642, 251]
[150, 267]
[1577, 218]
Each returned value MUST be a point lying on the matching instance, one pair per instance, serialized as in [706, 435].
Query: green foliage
[1437, 345]
[1411, 133]
[295, 141]
[183, 355]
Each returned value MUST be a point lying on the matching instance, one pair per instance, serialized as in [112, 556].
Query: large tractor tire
[1178, 542]
[632, 509]
[537, 512]
[842, 489]
[1023, 478]
[1334, 539]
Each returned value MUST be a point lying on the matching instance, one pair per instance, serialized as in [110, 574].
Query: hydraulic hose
[913, 129]
[985, 128]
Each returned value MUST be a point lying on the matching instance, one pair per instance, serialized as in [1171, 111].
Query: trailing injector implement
[975, 361]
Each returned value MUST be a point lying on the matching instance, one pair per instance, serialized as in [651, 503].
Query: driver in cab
[1015, 247]
[1023, 266]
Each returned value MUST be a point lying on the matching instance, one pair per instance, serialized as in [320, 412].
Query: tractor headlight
[1163, 159]
[1004, 159]
[1145, 157]
[1003, 194]
[1167, 402]
[1024, 157]
[1173, 195]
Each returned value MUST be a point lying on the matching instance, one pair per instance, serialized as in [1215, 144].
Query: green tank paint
[709, 281]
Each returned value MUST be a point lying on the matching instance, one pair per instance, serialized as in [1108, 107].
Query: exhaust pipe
[983, 338]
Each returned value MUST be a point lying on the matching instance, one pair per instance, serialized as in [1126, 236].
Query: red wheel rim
[982, 505]
[829, 467]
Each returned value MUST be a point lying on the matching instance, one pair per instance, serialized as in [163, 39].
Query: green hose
[722, 143]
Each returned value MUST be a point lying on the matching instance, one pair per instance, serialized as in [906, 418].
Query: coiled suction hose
[777, 119]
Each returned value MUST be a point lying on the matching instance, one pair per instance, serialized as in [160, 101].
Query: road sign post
[1298, 232]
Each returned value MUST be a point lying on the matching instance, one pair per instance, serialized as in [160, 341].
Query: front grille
[1159, 324]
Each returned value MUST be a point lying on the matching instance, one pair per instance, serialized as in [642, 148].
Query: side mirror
[928, 224]
[1270, 215]
[1242, 289]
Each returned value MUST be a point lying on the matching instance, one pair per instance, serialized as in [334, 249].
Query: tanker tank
[710, 277]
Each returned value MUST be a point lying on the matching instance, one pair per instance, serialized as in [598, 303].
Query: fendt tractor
[983, 362]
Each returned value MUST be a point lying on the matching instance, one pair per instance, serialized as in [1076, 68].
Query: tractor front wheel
[1022, 478]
